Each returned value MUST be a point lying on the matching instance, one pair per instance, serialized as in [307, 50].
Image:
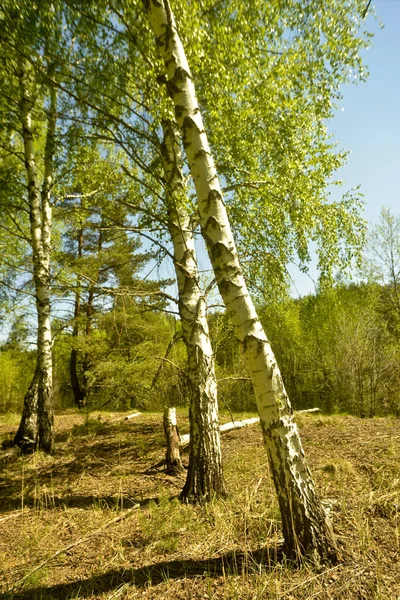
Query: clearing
[228, 549]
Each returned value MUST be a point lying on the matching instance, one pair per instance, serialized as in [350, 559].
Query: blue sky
[368, 125]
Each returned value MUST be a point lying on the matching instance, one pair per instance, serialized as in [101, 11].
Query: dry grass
[228, 549]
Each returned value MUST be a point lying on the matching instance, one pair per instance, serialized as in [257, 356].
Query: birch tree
[205, 477]
[282, 147]
[40, 220]
[306, 529]
[33, 102]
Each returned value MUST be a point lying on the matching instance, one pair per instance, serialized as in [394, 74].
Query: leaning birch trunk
[40, 225]
[27, 434]
[172, 455]
[306, 529]
[205, 475]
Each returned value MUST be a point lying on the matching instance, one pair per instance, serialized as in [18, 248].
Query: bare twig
[11, 516]
[163, 358]
[177, 336]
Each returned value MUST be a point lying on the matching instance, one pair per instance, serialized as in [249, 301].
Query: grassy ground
[228, 549]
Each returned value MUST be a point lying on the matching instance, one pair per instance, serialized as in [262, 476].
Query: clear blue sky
[369, 125]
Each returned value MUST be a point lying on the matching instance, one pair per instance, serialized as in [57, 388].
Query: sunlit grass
[228, 548]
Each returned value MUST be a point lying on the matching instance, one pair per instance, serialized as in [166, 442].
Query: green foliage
[126, 347]
[234, 388]
[269, 75]
[336, 350]
[383, 266]
[17, 364]
[16, 371]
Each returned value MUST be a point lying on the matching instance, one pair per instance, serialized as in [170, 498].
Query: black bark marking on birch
[211, 224]
[180, 76]
[214, 196]
[201, 154]
[188, 124]
[261, 350]
[179, 111]
[224, 257]
[170, 61]
[250, 322]
[172, 88]
[225, 286]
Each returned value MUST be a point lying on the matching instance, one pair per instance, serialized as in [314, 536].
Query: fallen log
[224, 428]
[239, 424]
[132, 416]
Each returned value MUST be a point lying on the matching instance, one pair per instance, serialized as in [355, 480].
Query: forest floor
[103, 466]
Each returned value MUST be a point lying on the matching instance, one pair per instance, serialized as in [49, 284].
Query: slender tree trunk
[46, 399]
[306, 529]
[173, 455]
[86, 362]
[90, 309]
[77, 390]
[40, 225]
[205, 474]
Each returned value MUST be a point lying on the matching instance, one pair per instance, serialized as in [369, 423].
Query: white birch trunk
[305, 527]
[205, 474]
[40, 225]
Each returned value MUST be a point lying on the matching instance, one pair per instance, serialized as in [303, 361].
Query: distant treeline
[338, 349]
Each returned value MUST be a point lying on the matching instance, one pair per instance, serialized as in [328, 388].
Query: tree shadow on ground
[98, 456]
[230, 563]
[80, 501]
